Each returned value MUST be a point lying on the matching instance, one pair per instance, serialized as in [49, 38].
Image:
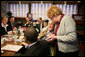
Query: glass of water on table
[10, 36]
[15, 36]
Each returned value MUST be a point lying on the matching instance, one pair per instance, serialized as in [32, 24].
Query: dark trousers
[58, 53]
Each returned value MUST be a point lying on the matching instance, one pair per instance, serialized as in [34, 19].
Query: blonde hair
[53, 11]
[50, 21]
[4, 17]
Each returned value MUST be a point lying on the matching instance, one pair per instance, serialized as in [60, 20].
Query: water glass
[15, 39]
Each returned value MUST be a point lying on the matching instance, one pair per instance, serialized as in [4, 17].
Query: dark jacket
[9, 23]
[41, 48]
[3, 31]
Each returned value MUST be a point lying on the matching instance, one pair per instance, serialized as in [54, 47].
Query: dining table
[10, 53]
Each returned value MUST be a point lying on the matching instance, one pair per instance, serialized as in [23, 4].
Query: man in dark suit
[4, 26]
[11, 22]
[34, 47]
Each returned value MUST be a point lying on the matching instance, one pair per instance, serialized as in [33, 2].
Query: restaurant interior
[34, 9]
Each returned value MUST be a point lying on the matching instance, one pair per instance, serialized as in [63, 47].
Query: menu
[13, 48]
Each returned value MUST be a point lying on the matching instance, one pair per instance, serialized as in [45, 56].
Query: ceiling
[55, 2]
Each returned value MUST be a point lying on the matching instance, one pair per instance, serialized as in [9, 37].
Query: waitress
[64, 32]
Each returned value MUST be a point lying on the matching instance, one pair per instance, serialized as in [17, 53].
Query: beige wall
[3, 8]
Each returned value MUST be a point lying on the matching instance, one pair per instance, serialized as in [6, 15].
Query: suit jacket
[41, 48]
[3, 31]
[9, 23]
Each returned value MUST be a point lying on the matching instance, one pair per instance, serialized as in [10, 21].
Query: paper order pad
[14, 48]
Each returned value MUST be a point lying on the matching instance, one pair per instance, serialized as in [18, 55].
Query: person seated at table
[33, 47]
[4, 26]
[44, 34]
[40, 24]
[45, 31]
[45, 24]
[27, 22]
[11, 22]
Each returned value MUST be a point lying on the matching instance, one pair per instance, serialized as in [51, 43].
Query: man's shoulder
[35, 50]
[9, 23]
[42, 43]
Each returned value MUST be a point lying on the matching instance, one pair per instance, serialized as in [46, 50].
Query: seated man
[33, 47]
[4, 26]
[27, 22]
[11, 22]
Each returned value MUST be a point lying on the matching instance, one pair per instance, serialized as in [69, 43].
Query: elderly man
[11, 22]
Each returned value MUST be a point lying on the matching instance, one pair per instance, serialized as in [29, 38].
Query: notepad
[13, 48]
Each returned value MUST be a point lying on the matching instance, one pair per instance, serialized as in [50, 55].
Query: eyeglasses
[54, 16]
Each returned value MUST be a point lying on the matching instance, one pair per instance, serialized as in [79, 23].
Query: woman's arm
[70, 31]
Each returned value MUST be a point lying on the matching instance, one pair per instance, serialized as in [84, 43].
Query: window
[40, 10]
[68, 9]
[19, 10]
[75, 9]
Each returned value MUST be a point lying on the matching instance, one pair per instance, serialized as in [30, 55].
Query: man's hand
[24, 43]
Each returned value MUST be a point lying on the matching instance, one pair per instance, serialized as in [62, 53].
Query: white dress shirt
[4, 26]
[30, 45]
